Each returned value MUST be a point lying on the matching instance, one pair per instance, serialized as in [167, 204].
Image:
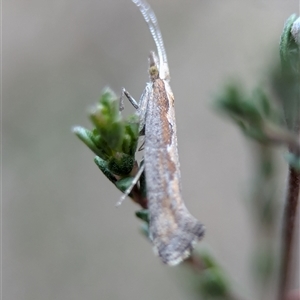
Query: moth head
[153, 66]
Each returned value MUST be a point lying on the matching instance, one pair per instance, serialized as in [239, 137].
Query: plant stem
[138, 198]
[289, 220]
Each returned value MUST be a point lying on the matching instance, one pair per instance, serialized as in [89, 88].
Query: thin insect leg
[142, 146]
[133, 183]
[142, 111]
[130, 98]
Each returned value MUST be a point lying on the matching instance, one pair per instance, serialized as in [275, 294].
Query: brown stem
[278, 135]
[138, 198]
[136, 194]
[195, 263]
[289, 220]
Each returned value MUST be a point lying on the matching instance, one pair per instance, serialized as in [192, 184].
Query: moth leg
[141, 107]
[130, 98]
[142, 110]
[133, 183]
[142, 146]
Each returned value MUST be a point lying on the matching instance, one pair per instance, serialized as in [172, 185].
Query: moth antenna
[151, 20]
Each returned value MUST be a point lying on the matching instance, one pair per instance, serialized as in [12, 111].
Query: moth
[172, 229]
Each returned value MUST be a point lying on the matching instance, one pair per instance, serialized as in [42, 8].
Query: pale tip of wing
[175, 262]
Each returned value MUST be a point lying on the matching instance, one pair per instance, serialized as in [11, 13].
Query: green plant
[268, 122]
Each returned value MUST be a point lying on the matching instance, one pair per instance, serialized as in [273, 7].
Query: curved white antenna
[151, 20]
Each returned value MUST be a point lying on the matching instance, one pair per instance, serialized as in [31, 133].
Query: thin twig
[138, 198]
[195, 263]
[289, 220]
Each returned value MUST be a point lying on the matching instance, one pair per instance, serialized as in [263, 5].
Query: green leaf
[121, 164]
[213, 284]
[145, 230]
[103, 148]
[110, 103]
[124, 183]
[263, 265]
[233, 102]
[263, 103]
[143, 214]
[288, 44]
[207, 259]
[114, 135]
[131, 135]
[103, 166]
[88, 138]
[109, 129]
[285, 81]
[293, 160]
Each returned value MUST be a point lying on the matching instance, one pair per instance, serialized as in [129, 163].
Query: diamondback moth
[172, 229]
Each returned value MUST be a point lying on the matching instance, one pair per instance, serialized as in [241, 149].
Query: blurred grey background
[63, 238]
